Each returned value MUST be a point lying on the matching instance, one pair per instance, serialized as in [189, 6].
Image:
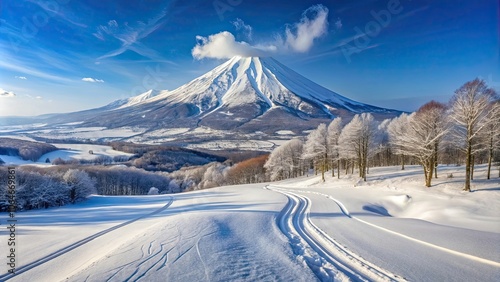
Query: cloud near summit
[223, 45]
[299, 37]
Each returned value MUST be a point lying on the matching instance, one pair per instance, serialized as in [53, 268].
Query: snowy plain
[69, 152]
[390, 228]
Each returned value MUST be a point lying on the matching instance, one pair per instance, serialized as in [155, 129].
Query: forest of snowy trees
[465, 131]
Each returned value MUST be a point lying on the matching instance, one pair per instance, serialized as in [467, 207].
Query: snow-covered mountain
[240, 91]
[242, 96]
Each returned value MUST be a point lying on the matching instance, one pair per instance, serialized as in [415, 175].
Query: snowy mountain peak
[141, 97]
[256, 81]
[244, 95]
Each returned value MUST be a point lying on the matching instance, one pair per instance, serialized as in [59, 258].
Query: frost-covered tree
[285, 161]
[36, 191]
[214, 176]
[490, 136]
[469, 115]
[316, 148]
[153, 191]
[383, 147]
[358, 139]
[334, 130]
[173, 186]
[425, 129]
[397, 129]
[80, 184]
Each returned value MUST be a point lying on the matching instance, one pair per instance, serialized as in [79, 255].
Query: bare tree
[423, 132]
[80, 184]
[358, 139]
[316, 148]
[285, 161]
[469, 114]
[397, 130]
[334, 130]
[491, 134]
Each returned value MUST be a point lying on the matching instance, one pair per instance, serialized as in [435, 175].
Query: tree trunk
[490, 157]
[402, 162]
[467, 168]
[364, 173]
[323, 169]
[472, 168]
[425, 175]
[333, 169]
[338, 169]
[436, 160]
[428, 175]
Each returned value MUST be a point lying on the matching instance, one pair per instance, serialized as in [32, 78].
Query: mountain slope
[234, 95]
[243, 96]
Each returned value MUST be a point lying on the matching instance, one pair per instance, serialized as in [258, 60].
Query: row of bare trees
[470, 124]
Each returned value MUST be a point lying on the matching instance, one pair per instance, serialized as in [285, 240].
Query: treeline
[27, 150]
[220, 174]
[43, 187]
[72, 181]
[148, 157]
[164, 158]
[467, 130]
[37, 190]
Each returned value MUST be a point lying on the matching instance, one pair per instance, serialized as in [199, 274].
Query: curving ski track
[328, 259]
[77, 244]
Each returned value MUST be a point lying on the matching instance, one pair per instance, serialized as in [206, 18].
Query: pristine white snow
[390, 228]
[69, 152]
[285, 132]
[82, 152]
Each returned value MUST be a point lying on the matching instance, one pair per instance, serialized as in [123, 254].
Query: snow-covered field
[69, 152]
[69, 131]
[390, 228]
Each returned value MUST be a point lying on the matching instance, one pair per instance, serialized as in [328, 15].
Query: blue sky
[68, 55]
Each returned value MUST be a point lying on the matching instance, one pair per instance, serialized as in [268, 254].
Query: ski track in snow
[294, 221]
[75, 245]
[327, 258]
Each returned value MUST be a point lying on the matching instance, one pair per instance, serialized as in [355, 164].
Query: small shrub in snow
[153, 191]
[173, 187]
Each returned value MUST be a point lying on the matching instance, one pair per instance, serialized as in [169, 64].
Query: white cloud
[90, 79]
[223, 46]
[5, 93]
[39, 97]
[298, 37]
[21, 77]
